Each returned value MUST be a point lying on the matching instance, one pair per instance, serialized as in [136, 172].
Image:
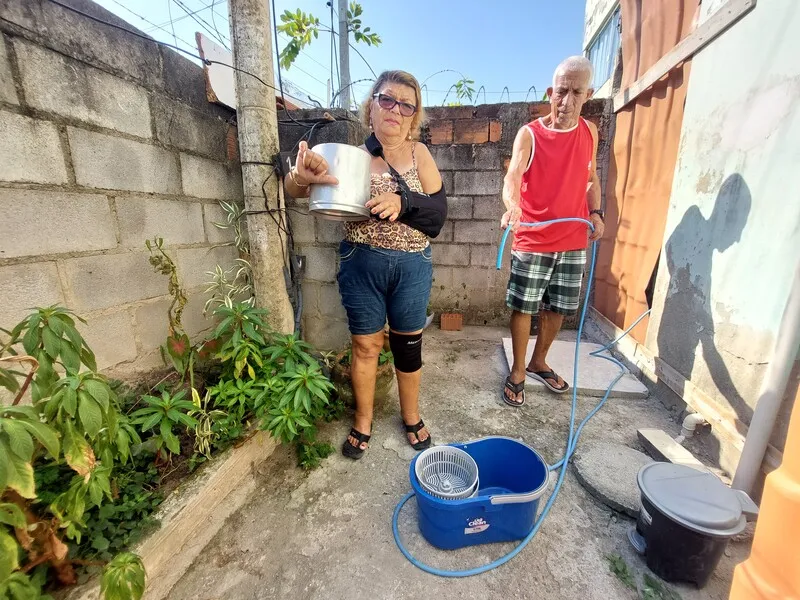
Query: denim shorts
[376, 284]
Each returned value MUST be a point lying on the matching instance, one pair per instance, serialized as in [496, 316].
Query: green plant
[168, 411]
[19, 429]
[237, 396]
[162, 263]
[19, 586]
[69, 507]
[235, 283]
[48, 335]
[301, 27]
[464, 89]
[178, 347]
[310, 455]
[82, 400]
[269, 376]
[240, 321]
[227, 286]
[301, 402]
[123, 578]
[289, 350]
[618, 566]
[113, 527]
[204, 434]
[234, 220]
[74, 418]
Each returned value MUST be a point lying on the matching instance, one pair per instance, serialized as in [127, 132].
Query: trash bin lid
[695, 499]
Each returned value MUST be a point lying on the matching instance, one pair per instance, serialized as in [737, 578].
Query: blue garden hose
[572, 438]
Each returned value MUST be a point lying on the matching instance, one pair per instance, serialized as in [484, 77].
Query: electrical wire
[286, 38]
[214, 21]
[146, 20]
[347, 86]
[171, 22]
[201, 22]
[184, 17]
[205, 61]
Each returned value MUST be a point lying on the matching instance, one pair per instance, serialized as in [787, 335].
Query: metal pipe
[772, 391]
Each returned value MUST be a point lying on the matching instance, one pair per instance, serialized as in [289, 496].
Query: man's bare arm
[593, 197]
[520, 156]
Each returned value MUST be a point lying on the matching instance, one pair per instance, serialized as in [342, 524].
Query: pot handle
[749, 508]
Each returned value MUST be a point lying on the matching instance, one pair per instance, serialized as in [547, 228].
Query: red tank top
[554, 186]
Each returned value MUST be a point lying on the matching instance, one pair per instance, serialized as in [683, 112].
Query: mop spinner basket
[512, 478]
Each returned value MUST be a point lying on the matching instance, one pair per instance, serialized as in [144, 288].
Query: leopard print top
[385, 234]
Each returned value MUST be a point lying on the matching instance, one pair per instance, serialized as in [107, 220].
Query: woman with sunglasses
[385, 262]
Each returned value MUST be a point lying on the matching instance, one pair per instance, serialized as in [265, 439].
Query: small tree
[301, 27]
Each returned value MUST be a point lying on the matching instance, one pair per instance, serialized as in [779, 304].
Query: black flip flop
[420, 445]
[355, 452]
[543, 376]
[514, 388]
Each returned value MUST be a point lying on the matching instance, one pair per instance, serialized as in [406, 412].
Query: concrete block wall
[324, 323]
[107, 140]
[472, 147]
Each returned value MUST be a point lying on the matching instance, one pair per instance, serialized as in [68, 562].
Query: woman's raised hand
[311, 168]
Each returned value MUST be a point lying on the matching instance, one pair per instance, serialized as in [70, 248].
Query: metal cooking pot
[343, 202]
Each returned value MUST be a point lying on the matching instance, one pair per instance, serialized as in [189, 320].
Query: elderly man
[552, 175]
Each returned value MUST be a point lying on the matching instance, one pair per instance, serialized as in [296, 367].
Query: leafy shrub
[72, 433]
[270, 376]
[167, 411]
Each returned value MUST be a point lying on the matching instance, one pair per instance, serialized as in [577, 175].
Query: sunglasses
[388, 103]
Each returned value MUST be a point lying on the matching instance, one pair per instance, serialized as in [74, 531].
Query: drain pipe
[689, 425]
[772, 391]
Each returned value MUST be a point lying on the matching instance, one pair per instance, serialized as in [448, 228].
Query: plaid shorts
[549, 280]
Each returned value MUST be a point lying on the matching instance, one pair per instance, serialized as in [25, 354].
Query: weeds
[652, 588]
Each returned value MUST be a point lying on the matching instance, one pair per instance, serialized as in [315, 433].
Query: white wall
[718, 310]
[597, 11]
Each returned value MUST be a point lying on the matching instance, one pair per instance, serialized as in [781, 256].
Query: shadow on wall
[687, 319]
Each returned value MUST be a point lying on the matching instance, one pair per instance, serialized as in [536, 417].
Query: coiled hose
[572, 438]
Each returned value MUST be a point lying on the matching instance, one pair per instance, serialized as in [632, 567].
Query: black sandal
[543, 376]
[351, 451]
[514, 388]
[415, 429]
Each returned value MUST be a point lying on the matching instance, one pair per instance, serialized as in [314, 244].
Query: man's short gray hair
[575, 64]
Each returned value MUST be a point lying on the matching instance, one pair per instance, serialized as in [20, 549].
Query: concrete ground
[327, 534]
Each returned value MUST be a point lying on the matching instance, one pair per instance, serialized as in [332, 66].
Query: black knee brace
[407, 351]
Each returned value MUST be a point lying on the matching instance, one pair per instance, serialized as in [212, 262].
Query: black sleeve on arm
[423, 212]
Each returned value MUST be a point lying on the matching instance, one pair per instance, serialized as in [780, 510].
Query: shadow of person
[687, 319]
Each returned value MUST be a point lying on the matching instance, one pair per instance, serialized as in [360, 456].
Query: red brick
[488, 111]
[232, 143]
[495, 131]
[539, 109]
[441, 132]
[472, 131]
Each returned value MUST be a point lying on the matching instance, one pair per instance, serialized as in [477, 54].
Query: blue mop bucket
[513, 478]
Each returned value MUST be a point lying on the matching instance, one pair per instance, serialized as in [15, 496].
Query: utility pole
[251, 36]
[344, 54]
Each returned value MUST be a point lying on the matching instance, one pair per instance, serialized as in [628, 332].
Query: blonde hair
[402, 78]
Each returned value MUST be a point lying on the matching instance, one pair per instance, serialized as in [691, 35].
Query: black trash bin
[686, 520]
